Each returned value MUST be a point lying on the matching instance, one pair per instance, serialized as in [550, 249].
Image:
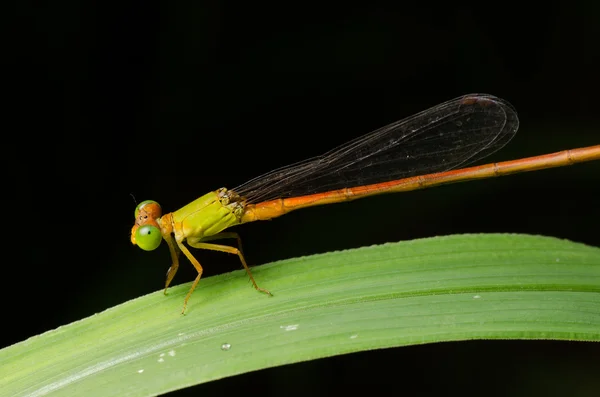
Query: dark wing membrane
[450, 135]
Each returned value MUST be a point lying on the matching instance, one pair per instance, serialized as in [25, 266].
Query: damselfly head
[145, 233]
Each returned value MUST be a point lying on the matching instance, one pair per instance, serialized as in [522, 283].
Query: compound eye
[148, 237]
[151, 207]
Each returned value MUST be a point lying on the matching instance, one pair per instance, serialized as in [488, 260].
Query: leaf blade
[422, 291]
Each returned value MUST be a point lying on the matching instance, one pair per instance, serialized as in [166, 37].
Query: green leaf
[431, 290]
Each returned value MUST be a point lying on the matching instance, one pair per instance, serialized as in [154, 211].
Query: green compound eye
[155, 208]
[148, 237]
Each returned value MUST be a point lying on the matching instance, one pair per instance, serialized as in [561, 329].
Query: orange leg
[221, 236]
[198, 267]
[202, 244]
[174, 258]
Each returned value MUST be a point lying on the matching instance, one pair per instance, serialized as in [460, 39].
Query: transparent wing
[444, 137]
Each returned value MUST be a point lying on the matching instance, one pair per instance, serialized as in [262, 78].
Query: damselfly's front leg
[202, 244]
[174, 260]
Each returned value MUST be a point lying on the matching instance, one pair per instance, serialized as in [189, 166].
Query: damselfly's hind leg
[202, 244]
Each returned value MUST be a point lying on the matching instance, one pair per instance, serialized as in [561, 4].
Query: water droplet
[172, 353]
[354, 336]
[225, 346]
[160, 360]
[140, 371]
[476, 296]
[162, 354]
[291, 327]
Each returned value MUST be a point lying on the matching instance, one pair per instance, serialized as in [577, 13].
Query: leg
[228, 249]
[220, 236]
[174, 259]
[198, 267]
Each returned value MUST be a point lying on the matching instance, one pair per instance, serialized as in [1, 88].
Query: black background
[169, 101]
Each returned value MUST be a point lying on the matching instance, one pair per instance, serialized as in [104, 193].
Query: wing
[444, 137]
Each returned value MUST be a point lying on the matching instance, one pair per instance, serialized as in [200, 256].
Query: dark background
[169, 101]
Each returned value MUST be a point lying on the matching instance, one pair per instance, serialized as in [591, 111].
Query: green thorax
[208, 215]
